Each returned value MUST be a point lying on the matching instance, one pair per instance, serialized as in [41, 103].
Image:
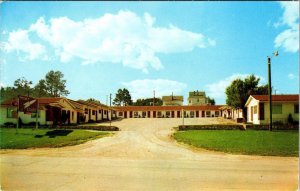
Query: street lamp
[270, 89]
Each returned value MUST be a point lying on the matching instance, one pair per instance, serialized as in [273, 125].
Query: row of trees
[53, 85]
[123, 97]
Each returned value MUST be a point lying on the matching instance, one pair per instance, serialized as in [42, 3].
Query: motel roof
[168, 108]
[275, 98]
[92, 104]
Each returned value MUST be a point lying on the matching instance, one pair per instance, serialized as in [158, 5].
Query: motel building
[57, 111]
[232, 113]
[282, 107]
[51, 111]
[168, 111]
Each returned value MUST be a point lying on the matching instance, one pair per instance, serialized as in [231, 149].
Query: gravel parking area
[143, 156]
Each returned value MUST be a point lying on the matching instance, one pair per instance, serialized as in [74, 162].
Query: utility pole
[18, 108]
[110, 109]
[270, 93]
[182, 114]
[37, 114]
[270, 90]
[153, 97]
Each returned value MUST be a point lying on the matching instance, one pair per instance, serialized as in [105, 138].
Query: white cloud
[217, 89]
[144, 88]
[123, 38]
[289, 38]
[19, 41]
[292, 76]
[2, 85]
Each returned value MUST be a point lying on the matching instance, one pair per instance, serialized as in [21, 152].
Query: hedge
[83, 127]
[210, 127]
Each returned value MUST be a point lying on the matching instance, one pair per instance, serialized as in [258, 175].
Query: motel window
[105, 112]
[99, 111]
[192, 113]
[255, 109]
[207, 113]
[33, 115]
[168, 114]
[120, 113]
[11, 113]
[86, 111]
[296, 108]
[144, 114]
[277, 109]
[217, 113]
[159, 114]
[93, 112]
[135, 113]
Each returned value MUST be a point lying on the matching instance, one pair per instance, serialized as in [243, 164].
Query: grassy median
[28, 138]
[250, 142]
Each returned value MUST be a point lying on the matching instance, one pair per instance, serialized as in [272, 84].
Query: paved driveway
[143, 156]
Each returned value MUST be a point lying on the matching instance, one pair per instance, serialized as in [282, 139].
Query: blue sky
[144, 46]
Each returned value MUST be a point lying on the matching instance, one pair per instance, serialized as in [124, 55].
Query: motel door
[261, 111]
[173, 114]
[125, 114]
[178, 114]
[203, 114]
[148, 114]
[154, 114]
[251, 113]
[130, 114]
[197, 113]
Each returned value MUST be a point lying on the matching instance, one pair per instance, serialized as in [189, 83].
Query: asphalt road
[143, 156]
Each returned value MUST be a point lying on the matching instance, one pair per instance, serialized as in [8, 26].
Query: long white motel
[63, 111]
[196, 111]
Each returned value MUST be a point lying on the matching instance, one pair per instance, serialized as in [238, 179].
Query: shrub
[9, 124]
[91, 121]
[211, 127]
[290, 119]
[33, 124]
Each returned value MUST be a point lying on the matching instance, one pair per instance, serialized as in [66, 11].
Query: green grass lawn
[28, 138]
[251, 142]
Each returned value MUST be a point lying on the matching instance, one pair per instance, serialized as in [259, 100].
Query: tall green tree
[40, 89]
[92, 100]
[239, 91]
[22, 86]
[122, 98]
[211, 101]
[147, 102]
[55, 84]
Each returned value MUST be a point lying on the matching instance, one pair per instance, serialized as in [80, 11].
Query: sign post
[182, 113]
[18, 101]
[110, 110]
[37, 115]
